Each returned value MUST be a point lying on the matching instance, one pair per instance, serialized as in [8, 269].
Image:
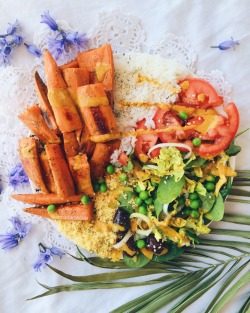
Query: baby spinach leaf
[137, 261]
[172, 253]
[125, 199]
[169, 189]
[233, 149]
[225, 190]
[158, 207]
[207, 201]
[197, 162]
[217, 212]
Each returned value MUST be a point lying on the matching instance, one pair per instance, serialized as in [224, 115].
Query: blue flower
[33, 50]
[227, 44]
[57, 47]
[18, 176]
[46, 257]
[17, 40]
[17, 234]
[47, 19]
[13, 28]
[81, 41]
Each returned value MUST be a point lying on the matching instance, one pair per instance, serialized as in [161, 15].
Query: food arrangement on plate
[130, 154]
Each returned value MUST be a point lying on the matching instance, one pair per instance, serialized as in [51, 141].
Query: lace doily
[125, 33]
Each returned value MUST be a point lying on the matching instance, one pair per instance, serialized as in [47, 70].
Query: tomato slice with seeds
[164, 119]
[225, 133]
[144, 142]
[199, 92]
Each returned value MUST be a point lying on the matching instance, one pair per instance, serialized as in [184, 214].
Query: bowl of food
[130, 154]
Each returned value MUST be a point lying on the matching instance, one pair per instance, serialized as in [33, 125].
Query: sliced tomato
[144, 142]
[167, 119]
[225, 133]
[199, 92]
[123, 159]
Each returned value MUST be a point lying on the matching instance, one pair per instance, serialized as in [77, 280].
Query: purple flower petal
[18, 39]
[225, 45]
[13, 28]
[57, 252]
[21, 227]
[46, 257]
[18, 176]
[9, 241]
[79, 40]
[33, 50]
[47, 19]
[17, 234]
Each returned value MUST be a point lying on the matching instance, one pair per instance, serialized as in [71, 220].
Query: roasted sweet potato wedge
[42, 93]
[66, 115]
[76, 212]
[63, 181]
[101, 158]
[45, 199]
[32, 117]
[96, 111]
[28, 153]
[80, 170]
[99, 62]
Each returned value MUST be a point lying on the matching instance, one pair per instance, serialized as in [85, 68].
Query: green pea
[194, 204]
[183, 115]
[51, 208]
[142, 209]
[138, 201]
[96, 187]
[85, 199]
[187, 211]
[123, 177]
[154, 184]
[103, 187]
[140, 243]
[110, 169]
[211, 178]
[138, 189]
[149, 201]
[193, 196]
[144, 194]
[210, 186]
[195, 213]
[196, 142]
[181, 200]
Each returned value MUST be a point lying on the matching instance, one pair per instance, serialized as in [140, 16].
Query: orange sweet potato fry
[70, 64]
[32, 117]
[101, 158]
[76, 212]
[99, 62]
[97, 113]
[71, 145]
[85, 144]
[42, 93]
[74, 78]
[80, 171]
[28, 152]
[63, 181]
[47, 173]
[45, 199]
[66, 115]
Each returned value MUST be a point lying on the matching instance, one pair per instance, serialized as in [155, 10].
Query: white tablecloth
[203, 23]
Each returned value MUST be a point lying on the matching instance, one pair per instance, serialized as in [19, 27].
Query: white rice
[142, 79]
